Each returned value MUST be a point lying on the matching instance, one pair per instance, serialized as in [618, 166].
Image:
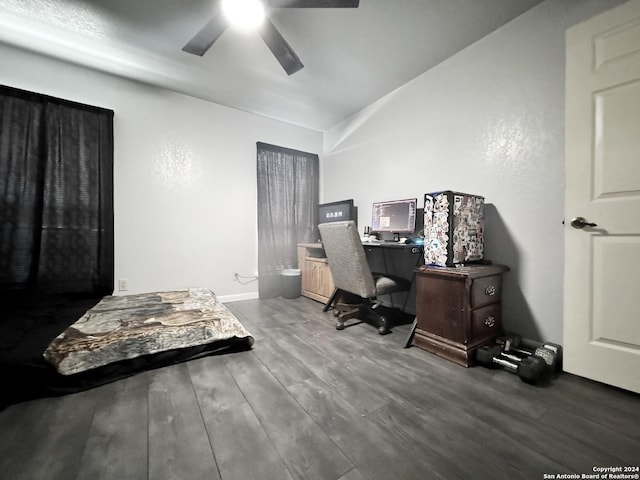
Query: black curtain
[288, 186]
[56, 195]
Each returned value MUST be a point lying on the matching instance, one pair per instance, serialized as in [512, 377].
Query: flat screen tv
[336, 211]
[394, 216]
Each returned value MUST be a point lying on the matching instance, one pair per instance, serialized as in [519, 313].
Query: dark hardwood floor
[311, 402]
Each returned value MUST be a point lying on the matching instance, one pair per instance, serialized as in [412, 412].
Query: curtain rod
[276, 148]
[40, 97]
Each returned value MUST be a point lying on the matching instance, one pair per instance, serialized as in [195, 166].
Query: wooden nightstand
[458, 309]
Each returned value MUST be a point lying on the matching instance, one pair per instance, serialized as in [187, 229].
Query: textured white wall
[185, 186]
[487, 121]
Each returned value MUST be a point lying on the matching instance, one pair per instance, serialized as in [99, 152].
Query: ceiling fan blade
[312, 3]
[280, 48]
[203, 40]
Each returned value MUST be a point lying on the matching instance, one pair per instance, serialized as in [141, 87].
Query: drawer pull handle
[490, 290]
[490, 322]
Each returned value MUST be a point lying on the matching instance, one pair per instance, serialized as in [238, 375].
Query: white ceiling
[352, 56]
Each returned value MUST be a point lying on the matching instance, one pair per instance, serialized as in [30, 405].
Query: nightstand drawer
[486, 290]
[486, 321]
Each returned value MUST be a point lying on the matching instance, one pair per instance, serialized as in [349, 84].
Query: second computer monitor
[337, 211]
[394, 216]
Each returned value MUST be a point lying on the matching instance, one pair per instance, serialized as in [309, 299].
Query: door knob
[581, 222]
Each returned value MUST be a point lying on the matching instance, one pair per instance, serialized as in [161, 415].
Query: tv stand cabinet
[317, 282]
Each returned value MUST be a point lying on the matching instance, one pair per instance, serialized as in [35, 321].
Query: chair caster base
[339, 326]
[382, 330]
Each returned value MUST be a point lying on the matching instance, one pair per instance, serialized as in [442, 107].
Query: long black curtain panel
[56, 195]
[288, 193]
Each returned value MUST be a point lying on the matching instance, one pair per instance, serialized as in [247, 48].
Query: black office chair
[352, 275]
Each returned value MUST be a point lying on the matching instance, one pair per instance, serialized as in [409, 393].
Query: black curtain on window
[288, 186]
[56, 195]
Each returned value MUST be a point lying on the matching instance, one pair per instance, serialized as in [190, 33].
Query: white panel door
[602, 262]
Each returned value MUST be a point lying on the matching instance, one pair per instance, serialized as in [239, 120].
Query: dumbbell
[550, 352]
[555, 363]
[529, 368]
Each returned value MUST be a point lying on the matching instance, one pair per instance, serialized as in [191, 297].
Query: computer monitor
[394, 216]
[336, 211]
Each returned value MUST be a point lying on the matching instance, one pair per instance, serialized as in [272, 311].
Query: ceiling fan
[205, 38]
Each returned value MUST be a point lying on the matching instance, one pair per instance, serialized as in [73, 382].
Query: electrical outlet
[123, 285]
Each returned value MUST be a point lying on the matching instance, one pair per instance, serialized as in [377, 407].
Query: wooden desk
[317, 282]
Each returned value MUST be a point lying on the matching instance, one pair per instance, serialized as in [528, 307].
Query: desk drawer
[486, 290]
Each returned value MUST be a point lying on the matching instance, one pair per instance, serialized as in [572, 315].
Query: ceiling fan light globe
[244, 15]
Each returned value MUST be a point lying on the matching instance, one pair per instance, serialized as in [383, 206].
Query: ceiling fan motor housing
[286, 56]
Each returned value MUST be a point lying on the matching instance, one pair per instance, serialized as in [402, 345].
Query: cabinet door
[316, 277]
[307, 275]
[325, 286]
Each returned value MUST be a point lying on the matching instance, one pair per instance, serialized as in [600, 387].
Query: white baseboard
[237, 297]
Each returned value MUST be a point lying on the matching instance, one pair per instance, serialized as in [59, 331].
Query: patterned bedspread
[125, 327]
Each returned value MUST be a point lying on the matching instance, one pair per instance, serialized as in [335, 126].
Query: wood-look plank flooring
[310, 402]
